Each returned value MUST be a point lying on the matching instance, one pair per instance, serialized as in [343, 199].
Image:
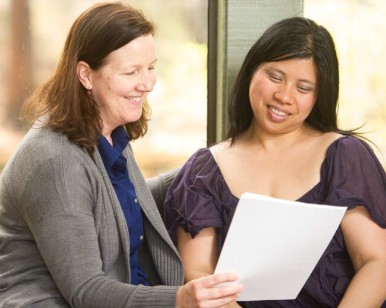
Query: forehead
[301, 68]
[138, 51]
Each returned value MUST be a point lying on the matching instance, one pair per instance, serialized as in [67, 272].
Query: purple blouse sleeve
[354, 176]
[191, 200]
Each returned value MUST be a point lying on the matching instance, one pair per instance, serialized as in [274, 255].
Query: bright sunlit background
[358, 28]
[178, 125]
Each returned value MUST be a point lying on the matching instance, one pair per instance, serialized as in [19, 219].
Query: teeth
[136, 99]
[278, 112]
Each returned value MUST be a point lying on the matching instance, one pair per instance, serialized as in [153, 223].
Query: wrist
[180, 297]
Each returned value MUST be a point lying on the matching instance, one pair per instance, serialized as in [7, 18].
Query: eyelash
[277, 79]
[304, 90]
[136, 71]
[274, 78]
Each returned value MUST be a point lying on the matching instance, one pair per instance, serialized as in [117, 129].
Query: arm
[366, 244]
[159, 185]
[199, 255]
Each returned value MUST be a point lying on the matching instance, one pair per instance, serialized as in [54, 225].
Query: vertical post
[213, 70]
[19, 65]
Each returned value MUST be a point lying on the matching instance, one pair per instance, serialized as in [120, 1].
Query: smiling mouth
[134, 98]
[278, 112]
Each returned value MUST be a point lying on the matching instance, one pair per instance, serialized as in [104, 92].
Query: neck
[107, 134]
[275, 141]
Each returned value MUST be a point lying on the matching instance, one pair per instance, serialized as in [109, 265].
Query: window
[179, 100]
[357, 28]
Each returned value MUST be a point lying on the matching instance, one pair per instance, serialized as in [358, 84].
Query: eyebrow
[136, 65]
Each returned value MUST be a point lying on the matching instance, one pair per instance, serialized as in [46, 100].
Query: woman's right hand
[206, 292]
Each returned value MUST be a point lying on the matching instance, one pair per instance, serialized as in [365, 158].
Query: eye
[305, 89]
[274, 77]
[132, 73]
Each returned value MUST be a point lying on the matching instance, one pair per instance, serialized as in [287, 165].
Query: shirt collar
[110, 153]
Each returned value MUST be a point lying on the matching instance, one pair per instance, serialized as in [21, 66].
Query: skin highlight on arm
[199, 255]
[366, 244]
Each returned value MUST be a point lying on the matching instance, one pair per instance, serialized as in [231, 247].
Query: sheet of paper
[274, 244]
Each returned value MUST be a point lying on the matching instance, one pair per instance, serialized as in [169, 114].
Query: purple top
[350, 175]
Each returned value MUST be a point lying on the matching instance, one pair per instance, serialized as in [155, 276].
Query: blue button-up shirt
[116, 166]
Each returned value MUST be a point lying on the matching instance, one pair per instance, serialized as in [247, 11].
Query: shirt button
[141, 237]
[135, 200]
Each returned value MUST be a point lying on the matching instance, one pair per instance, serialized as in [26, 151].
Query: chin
[133, 117]
[132, 120]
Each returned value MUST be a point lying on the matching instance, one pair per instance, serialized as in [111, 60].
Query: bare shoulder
[332, 136]
[324, 140]
[329, 138]
[221, 148]
[224, 154]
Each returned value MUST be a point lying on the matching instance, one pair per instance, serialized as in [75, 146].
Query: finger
[215, 279]
[218, 294]
[224, 291]
[220, 302]
[197, 292]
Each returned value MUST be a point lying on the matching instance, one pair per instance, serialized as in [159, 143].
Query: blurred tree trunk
[19, 80]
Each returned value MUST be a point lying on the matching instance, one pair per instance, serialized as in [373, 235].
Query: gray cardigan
[64, 239]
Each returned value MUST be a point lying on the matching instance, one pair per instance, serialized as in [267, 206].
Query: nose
[146, 81]
[284, 93]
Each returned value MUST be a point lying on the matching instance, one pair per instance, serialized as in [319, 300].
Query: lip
[137, 101]
[277, 113]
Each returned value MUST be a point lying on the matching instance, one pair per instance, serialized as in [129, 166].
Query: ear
[83, 72]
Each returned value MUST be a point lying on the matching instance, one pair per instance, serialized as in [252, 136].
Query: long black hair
[290, 38]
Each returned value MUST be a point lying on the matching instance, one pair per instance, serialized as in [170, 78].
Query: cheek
[104, 93]
[153, 77]
[307, 105]
[259, 91]
[118, 86]
[103, 85]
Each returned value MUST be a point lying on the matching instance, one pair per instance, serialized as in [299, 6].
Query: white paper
[274, 244]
